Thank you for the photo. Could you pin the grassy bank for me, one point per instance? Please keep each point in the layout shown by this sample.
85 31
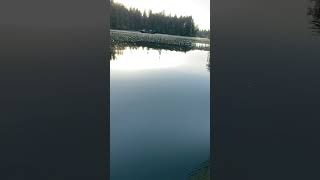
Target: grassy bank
133 37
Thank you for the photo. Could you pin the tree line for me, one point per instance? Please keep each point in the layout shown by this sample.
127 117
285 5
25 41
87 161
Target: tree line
123 18
203 33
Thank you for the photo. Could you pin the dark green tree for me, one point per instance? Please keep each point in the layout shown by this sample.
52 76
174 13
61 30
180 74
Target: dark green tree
123 18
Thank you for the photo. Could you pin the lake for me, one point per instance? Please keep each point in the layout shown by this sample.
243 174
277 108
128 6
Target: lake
160 114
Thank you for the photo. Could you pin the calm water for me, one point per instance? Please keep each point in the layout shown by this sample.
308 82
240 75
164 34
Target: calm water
159 113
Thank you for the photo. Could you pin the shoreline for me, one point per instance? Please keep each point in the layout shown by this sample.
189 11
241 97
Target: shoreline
138 38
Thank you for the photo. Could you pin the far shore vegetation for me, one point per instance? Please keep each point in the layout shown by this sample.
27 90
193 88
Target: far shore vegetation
161 40
123 18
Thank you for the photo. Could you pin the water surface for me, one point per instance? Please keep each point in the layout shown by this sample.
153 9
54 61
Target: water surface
159 113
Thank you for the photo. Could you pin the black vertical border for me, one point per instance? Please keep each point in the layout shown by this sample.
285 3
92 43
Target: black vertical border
108 46
54 90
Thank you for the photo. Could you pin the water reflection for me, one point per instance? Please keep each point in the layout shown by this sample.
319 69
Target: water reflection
117 48
209 63
147 53
159 112
314 13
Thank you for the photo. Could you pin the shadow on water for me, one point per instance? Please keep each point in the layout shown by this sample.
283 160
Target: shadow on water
314 13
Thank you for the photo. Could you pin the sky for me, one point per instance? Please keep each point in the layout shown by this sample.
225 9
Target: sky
198 9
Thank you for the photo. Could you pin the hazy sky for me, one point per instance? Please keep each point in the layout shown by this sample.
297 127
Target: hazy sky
199 9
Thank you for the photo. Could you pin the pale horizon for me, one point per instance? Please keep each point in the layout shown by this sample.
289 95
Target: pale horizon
198 9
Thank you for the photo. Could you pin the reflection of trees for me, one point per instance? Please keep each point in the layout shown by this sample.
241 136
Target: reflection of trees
118 48
157 46
314 12
208 62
